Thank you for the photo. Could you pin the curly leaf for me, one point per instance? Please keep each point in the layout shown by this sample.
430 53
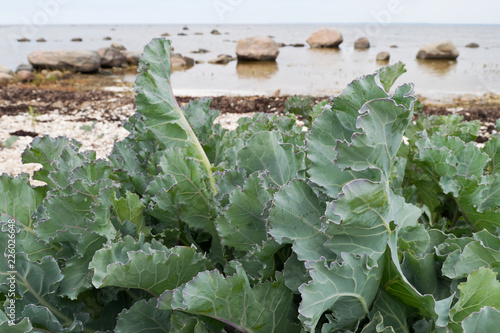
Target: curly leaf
243 225
162 115
145 317
487 320
191 196
19 202
264 151
361 219
383 123
295 218
151 267
481 289
262 308
346 289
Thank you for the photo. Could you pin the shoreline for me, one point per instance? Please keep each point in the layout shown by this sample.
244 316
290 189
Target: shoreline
94 117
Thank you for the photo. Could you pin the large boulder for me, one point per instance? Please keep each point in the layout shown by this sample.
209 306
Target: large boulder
24 67
6 70
325 38
362 43
5 78
133 57
111 57
438 50
177 61
78 61
26 76
257 48
118 46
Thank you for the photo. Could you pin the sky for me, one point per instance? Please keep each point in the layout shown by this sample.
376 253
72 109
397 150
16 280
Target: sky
41 12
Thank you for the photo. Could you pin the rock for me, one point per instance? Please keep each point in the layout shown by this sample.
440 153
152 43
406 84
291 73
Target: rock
25 76
24 67
5 78
23 40
199 61
55 75
111 57
325 38
297 45
200 51
177 61
439 50
118 46
383 56
165 34
185 28
41 40
222 59
394 46
362 43
105 72
257 48
281 44
77 39
78 61
181 34
215 32
133 57
472 45
6 70
107 38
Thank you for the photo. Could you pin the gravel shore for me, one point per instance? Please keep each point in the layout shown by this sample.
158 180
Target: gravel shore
95 117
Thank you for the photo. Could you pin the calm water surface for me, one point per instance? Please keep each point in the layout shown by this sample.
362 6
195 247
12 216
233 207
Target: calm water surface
297 70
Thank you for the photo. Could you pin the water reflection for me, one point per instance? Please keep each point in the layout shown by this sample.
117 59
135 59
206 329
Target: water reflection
256 69
436 67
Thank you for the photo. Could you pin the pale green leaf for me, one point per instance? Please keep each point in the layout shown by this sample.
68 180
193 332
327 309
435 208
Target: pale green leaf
262 308
144 317
148 266
347 290
295 218
487 320
265 151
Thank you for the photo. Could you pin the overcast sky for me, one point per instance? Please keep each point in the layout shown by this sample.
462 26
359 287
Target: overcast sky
248 11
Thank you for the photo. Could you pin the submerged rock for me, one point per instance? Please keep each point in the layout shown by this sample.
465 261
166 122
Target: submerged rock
77 39
200 51
78 60
41 40
23 40
222 59
438 50
178 61
257 48
325 38
383 56
362 43
472 45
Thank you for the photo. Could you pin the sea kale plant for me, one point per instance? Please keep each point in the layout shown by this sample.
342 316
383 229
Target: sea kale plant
363 221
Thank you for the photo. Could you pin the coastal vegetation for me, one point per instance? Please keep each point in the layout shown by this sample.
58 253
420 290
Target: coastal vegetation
360 220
